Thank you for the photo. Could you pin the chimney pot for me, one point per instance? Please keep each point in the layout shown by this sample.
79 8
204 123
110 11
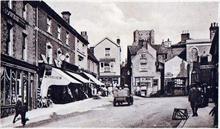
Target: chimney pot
66 16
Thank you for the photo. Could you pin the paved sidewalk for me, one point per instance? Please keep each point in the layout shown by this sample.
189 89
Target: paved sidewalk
44 114
204 120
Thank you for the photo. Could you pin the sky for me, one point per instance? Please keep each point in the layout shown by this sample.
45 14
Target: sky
115 19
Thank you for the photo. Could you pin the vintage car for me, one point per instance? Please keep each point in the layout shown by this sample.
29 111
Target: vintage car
122 96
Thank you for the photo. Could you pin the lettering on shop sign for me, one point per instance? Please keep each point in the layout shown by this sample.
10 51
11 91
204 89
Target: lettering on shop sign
53 77
8 12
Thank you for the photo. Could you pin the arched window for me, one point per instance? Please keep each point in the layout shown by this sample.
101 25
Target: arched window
194 52
59 53
49 53
67 59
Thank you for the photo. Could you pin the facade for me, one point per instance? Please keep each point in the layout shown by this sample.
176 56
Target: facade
199 59
81 56
176 76
108 54
93 64
142 64
18 55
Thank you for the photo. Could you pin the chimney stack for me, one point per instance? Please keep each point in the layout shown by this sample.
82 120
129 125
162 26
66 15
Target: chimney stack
118 41
66 16
84 35
213 29
185 36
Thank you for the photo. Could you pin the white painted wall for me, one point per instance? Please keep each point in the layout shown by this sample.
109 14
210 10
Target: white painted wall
99 52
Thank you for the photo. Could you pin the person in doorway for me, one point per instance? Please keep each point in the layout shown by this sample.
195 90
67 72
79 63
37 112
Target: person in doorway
194 99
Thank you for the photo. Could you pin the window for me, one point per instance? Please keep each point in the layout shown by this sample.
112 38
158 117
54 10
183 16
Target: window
24 11
143 65
143 56
9 41
24 47
155 82
48 24
80 58
106 67
67 59
67 38
194 52
107 51
102 65
10 2
49 53
59 32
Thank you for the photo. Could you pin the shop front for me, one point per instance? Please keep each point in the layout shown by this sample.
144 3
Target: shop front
17 79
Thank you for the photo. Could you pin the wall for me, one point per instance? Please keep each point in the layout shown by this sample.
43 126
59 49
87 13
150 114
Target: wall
81 50
45 37
99 52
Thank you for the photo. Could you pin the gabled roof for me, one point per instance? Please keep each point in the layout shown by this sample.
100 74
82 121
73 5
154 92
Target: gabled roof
106 38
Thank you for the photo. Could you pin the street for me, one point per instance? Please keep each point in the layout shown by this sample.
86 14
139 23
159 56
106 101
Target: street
145 112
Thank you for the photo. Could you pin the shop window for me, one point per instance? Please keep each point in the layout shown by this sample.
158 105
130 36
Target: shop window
106 67
24 46
48 25
59 32
49 53
9 41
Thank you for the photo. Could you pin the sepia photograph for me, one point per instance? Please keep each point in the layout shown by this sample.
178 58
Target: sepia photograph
109 64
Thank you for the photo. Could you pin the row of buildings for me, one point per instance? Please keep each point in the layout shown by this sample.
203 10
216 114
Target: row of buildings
171 68
42 55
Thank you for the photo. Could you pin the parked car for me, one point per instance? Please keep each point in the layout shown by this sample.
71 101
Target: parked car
122 96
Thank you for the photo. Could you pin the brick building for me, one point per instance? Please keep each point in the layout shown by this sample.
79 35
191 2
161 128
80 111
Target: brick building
18 55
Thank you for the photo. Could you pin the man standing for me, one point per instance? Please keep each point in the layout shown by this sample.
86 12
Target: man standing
194 99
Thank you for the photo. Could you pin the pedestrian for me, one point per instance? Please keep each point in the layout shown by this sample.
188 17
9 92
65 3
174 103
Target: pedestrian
194 99
17 108
20 109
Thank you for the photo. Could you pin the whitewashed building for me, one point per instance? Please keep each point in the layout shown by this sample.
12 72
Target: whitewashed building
142 59
108 54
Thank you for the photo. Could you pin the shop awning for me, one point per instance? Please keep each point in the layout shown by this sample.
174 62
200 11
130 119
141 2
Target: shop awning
94 79
57 77
79 77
